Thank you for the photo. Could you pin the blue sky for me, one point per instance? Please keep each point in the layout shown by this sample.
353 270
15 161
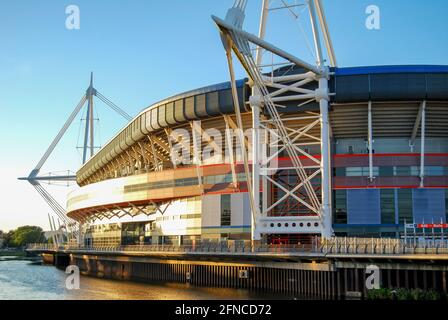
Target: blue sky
144 51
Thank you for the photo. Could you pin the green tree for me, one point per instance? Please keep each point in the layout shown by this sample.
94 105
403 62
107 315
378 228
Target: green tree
25 235
8 239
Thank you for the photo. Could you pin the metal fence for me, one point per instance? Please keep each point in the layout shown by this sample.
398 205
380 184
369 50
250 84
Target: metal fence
335 245
381 246
202 248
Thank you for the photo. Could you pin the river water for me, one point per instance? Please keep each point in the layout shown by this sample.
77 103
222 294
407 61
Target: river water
29 279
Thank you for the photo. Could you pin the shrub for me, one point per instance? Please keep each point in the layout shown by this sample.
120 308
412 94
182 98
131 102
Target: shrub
404 294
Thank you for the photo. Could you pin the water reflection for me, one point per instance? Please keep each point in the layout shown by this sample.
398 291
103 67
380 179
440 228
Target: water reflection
29 279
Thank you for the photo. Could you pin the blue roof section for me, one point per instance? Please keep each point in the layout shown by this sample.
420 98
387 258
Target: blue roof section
215 87
390 83
390 69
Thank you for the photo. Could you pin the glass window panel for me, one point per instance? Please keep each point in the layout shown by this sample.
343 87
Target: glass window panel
340 206
339 172
387 206
354 171
225 209
402 171
405 206
434 171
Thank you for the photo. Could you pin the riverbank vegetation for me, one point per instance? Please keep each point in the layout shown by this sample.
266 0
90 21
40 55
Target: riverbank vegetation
12 253
405 294
21 236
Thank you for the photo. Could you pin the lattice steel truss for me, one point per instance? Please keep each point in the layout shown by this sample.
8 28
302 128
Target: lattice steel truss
271 93
124 210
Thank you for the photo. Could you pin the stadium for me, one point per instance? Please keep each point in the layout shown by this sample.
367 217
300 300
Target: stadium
292 153
302 177
388 142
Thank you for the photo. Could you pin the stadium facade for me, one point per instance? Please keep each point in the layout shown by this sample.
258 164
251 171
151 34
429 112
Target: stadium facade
174 175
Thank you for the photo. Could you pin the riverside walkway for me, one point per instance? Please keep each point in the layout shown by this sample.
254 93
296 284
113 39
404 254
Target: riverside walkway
323 248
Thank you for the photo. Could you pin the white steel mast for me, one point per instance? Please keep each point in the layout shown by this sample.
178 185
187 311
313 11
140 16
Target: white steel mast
284 89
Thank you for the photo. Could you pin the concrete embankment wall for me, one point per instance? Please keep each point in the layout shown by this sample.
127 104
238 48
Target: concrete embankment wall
286 278
323 280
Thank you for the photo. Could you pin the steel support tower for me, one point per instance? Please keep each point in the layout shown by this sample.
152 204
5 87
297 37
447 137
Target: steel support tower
71 226
270 128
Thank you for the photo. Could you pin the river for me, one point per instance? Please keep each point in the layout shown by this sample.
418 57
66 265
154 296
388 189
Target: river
29 279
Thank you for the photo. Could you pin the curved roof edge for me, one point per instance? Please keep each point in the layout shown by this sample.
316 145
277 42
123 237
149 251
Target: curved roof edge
350 84
214 87
202 90
187 94
390 69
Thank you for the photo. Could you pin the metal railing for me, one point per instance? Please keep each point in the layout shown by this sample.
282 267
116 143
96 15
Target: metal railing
202 248
335 245
381 246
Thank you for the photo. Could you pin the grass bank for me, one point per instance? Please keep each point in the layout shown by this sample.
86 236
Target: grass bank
405 294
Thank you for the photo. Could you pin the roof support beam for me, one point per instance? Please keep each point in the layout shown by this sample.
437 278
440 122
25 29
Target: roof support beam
223 25
234 126
230 150
157 167
158 157
240 135
170 151
422 145
197 148
206 137
416 125
162 144
326 32
139 209
315 29
370 140
142 150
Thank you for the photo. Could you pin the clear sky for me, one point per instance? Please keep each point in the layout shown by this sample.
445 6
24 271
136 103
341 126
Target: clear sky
144 51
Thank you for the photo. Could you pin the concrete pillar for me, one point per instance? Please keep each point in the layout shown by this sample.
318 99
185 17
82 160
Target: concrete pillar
444 281
389 278
415 279
434 280
406 279
425 280
345 281
338 284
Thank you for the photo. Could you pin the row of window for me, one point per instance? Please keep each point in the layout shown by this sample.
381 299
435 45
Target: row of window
223 178
179 217
225 208
389 171
292 179
103 228
104 241
387 205
161 184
